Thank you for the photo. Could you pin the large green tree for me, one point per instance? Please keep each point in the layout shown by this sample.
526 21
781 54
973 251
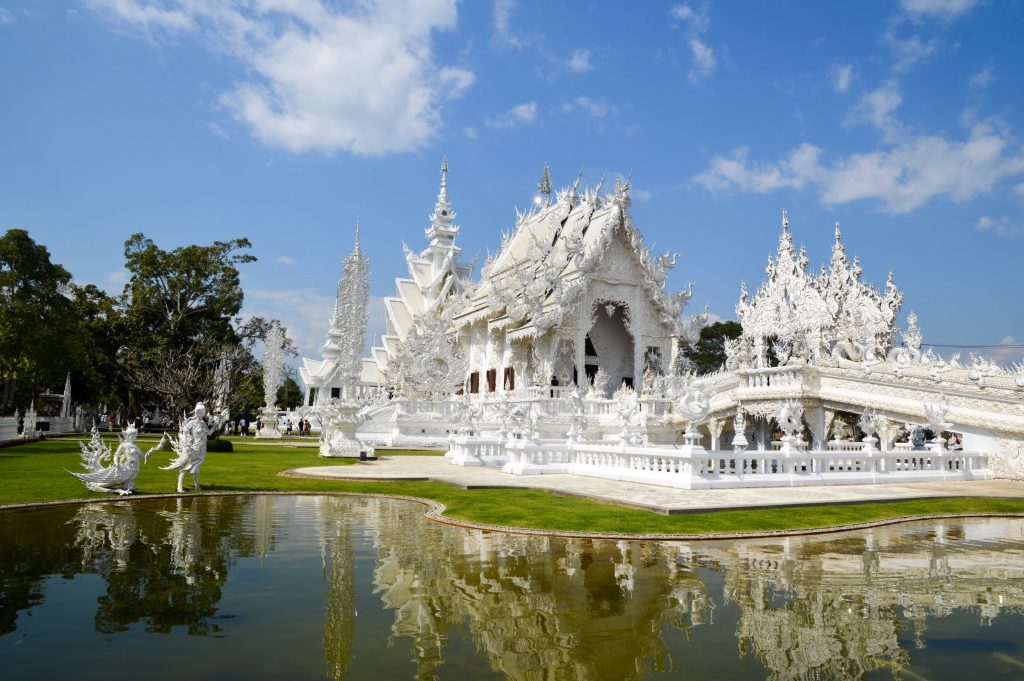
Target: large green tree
38 339
708 353
183 341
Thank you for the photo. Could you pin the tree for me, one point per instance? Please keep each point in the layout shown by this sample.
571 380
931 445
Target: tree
289 395
184 343
181 295
708 353
37 321
96 376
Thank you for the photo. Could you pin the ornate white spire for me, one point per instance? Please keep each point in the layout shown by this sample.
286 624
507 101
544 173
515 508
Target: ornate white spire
348 325
273 359
441 220
544 186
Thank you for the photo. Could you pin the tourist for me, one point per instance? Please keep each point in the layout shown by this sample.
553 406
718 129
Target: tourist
289 428
244 425
259 424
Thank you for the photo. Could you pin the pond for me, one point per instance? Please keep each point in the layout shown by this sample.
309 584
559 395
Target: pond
332 587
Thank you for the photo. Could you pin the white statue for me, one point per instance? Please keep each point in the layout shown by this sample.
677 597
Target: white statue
96 454
936 412
694 406
789 415
870 422
577 417
119 476
190 444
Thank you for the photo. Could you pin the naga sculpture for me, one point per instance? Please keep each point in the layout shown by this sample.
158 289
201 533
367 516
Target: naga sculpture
118 477
190 444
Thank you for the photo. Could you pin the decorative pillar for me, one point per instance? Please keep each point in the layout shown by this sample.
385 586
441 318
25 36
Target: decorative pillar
764 434
715 427
739 440
819 420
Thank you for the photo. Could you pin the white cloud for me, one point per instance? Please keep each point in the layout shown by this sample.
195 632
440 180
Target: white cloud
640 194
998 226
118 278
735 172
842 76
698 19
323 77
521 114
504 36
580 61
286 260
470 132
1018 190
903 177
143 15
876 108
938 9
598 108
5 17
910 51
981 79
696 23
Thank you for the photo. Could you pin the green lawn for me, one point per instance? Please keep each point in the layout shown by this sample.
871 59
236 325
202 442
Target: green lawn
35 472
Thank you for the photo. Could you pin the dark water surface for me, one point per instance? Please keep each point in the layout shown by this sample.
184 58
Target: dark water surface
315 587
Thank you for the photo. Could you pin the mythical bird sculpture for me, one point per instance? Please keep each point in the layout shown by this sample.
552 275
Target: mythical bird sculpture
190 445
119 476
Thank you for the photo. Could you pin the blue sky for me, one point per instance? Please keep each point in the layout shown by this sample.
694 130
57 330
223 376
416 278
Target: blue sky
284 120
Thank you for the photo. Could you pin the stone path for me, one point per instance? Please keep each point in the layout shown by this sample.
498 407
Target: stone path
653 497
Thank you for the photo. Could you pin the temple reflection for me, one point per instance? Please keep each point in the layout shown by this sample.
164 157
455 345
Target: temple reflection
832 606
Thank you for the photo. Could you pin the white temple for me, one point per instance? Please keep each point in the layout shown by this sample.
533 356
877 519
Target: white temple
565 356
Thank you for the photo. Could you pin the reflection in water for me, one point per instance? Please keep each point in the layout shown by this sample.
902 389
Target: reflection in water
839 606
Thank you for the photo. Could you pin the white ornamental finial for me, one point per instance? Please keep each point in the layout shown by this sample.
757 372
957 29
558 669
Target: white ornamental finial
441 219
785 220
839 234
544 186
357 234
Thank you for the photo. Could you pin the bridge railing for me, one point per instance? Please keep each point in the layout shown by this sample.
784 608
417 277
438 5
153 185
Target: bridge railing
697 468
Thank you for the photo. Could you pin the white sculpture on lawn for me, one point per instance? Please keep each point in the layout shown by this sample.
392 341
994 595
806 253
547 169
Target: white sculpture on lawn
341 415
273 360
190 444
116 474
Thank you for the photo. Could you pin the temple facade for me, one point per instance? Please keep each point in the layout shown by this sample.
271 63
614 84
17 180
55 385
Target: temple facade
565 356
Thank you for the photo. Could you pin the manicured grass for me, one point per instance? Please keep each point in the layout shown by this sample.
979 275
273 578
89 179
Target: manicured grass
35 472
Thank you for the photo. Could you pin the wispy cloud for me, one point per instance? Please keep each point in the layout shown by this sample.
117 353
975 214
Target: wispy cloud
842 76
519 115
5 17
579 61
322 76
597 108
999 226
938 9
877 107
982 79
696 23
286 260
504 35
470 132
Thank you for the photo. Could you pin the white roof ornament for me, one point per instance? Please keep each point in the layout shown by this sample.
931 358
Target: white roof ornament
544 186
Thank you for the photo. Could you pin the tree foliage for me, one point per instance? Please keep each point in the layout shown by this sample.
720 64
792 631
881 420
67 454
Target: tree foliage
183 343
38 343
708 353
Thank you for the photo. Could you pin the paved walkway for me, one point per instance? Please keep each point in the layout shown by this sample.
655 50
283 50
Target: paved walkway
654 497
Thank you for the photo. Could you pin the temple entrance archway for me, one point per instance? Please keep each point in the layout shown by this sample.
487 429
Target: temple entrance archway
611 340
